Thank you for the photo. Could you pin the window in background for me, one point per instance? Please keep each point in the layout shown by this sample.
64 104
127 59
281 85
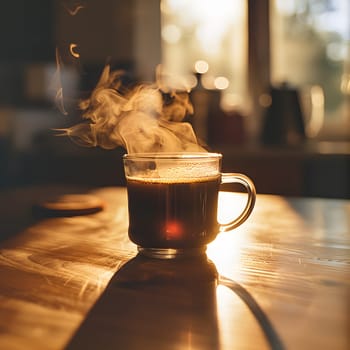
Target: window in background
207 38
310 49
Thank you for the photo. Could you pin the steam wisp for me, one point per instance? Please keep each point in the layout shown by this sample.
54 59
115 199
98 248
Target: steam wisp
140 120
73 7
56 85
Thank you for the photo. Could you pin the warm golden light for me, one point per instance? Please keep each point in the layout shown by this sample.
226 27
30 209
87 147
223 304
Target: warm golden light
209 37
72 48
171 33
221 83
345 84
191 81
320 59
225 250
201 66
317 111
227 301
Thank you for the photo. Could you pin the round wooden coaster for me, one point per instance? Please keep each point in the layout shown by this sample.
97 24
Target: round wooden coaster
70 205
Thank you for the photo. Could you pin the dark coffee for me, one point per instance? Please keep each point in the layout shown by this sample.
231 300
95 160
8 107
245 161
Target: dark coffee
173 214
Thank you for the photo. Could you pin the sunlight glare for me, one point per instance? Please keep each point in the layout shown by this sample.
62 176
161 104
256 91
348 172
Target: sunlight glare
201 66
221 83
225 250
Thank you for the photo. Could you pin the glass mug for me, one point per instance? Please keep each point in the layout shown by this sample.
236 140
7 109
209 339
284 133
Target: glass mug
173 201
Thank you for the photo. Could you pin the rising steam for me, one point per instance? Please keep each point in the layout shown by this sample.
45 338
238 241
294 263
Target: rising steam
56 85
140 120
73 6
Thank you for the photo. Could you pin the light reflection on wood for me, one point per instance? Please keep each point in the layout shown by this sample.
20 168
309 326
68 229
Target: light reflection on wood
291 257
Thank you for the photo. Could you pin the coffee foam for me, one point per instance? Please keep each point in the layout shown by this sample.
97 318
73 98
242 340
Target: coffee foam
178 174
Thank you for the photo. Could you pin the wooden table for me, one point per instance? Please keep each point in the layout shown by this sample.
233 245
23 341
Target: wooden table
280 281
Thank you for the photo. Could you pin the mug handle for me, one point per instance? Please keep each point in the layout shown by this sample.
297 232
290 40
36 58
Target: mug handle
249 185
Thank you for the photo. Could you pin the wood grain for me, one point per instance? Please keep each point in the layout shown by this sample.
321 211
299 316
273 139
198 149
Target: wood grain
280 281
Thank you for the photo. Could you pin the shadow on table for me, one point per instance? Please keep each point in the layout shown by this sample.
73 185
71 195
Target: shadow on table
270 333
154 304
157 304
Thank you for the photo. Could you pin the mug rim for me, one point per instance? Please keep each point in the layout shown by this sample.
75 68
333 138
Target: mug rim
173 155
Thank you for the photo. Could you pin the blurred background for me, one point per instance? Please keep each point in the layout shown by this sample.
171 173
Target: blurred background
269 79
